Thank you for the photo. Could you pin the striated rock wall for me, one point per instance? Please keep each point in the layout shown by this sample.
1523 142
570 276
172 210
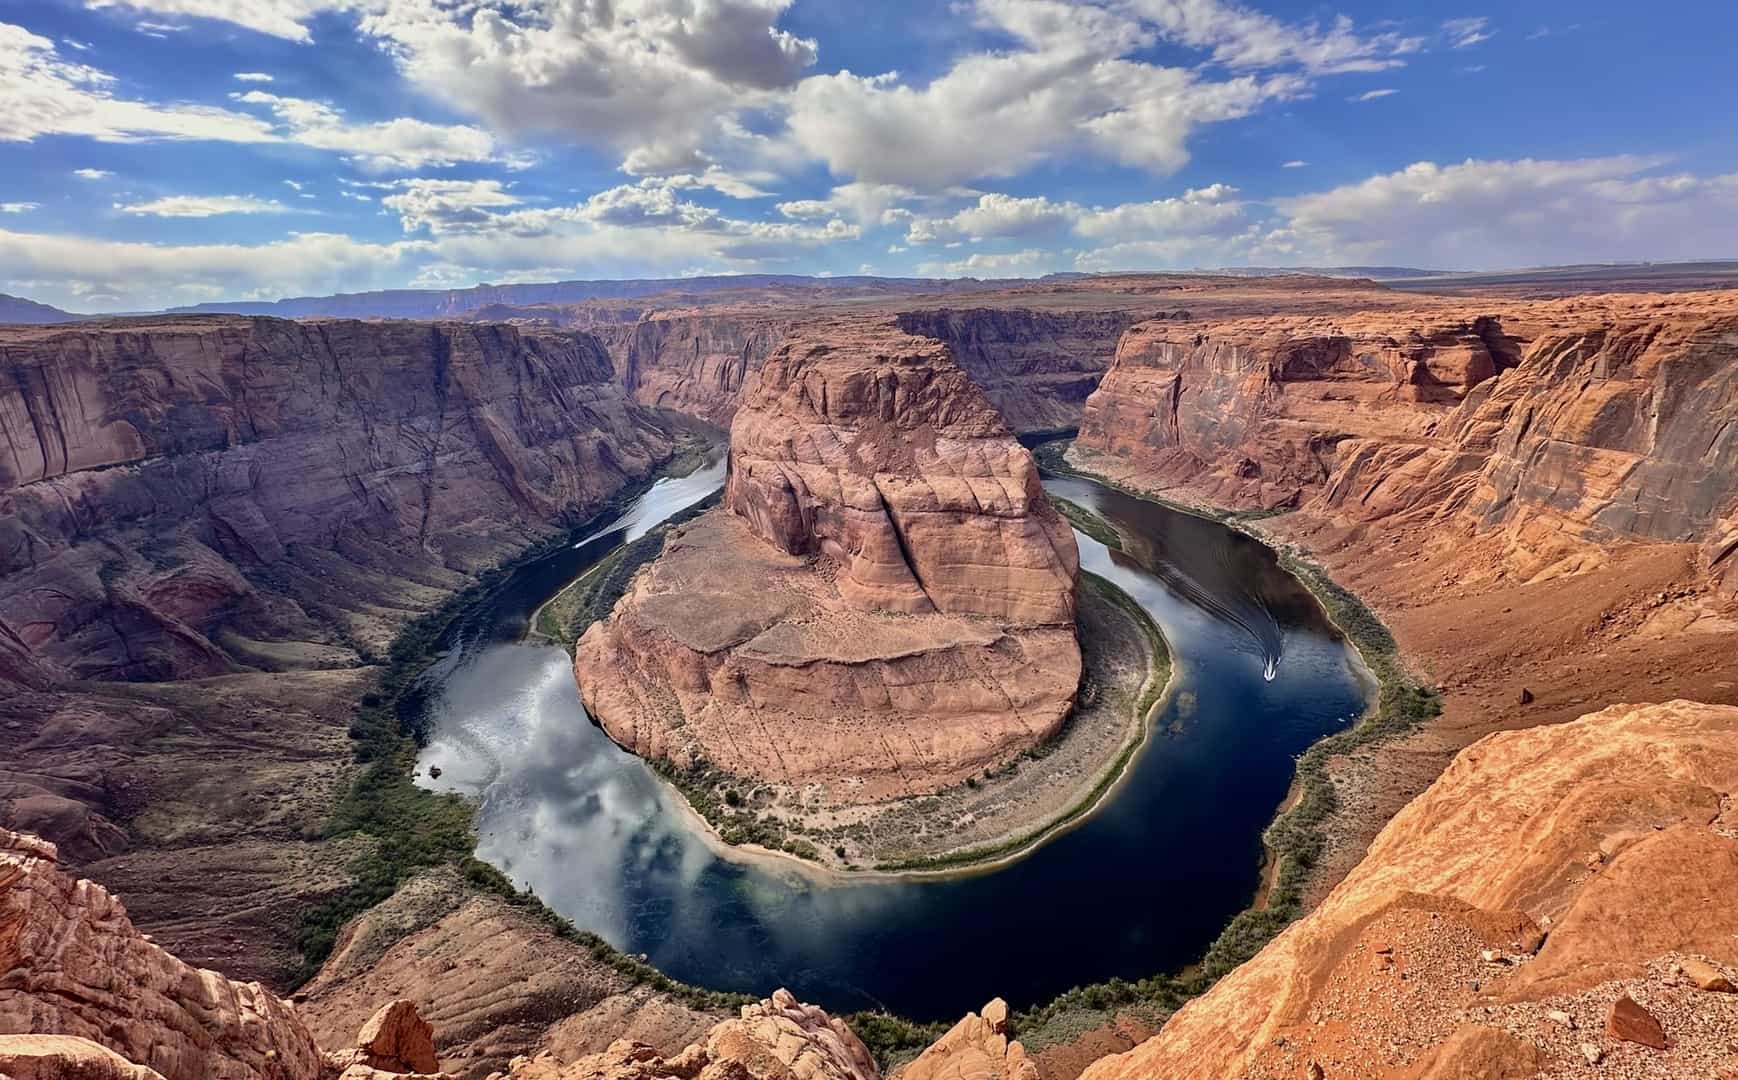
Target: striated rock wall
1037 367
875 450
1497 919
1252 411
191 496
1626 430
694 363
885 604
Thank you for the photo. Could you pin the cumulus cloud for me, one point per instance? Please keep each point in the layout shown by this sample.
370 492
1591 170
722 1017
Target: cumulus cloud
401 143
1023 263
1214 209
92 174
135 275
18 207
202 206
253 77
652 79
1493 214
46 94
1241 38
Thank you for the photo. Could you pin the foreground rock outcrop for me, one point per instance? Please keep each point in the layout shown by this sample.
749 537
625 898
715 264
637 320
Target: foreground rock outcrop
1498 918
884 605
72 964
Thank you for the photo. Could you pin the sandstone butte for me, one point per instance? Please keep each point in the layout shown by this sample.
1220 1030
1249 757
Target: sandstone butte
884 604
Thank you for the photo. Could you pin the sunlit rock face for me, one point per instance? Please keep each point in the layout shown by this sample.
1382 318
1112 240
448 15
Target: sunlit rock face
884 605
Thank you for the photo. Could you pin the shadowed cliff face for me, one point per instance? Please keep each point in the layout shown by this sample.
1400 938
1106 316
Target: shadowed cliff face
194 496
222 519
1036 367
885 561
694 364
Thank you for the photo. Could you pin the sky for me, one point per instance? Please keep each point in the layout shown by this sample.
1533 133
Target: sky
164 152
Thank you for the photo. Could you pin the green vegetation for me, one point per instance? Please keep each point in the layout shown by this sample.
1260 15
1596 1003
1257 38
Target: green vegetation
414 829
1088 522
709 791
594 594
893 1040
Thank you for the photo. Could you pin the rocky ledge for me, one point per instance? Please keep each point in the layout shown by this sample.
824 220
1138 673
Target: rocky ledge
1562 895
885 604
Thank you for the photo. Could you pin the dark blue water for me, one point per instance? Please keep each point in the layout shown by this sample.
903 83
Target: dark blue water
1141 886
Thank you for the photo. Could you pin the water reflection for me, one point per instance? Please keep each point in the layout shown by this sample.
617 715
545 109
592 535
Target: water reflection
1141 886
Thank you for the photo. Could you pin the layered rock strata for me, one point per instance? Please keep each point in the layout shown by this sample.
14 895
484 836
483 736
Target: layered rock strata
1037 367
1497 919
883 606
1252 411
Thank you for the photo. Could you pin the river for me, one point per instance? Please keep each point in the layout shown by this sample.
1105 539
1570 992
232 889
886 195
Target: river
1140 886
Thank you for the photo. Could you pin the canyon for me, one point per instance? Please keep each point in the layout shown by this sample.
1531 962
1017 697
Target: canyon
212 528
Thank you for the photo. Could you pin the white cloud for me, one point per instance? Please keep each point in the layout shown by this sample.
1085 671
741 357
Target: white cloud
402 143
48 95
92 174
1212 210
202 206
1466 32
1295 165
1372 95
129 275
651 79
279 18
18 207
867 204
444 205
253 77
1024 263
1241 38
1494 214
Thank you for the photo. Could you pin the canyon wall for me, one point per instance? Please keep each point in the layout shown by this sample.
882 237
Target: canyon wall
1037 367
195 496
1251 412
883 606
1497 921
694 363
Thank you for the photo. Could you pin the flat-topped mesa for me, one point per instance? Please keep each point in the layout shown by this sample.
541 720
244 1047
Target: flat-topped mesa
874 449
883 607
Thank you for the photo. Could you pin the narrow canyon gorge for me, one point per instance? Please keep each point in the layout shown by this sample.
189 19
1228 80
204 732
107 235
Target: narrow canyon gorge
230 548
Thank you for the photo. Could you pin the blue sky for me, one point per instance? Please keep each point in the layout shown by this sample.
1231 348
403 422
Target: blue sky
157 152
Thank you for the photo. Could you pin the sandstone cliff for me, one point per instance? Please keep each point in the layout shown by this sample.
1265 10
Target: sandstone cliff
188 497
884 605
224 518
1497 920
1251 412
1037 367
694 363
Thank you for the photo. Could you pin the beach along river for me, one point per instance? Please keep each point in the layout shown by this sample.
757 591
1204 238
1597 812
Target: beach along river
1140 886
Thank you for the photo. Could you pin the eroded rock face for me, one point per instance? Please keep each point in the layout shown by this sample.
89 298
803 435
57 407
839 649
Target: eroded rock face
976 1048
1251 411
1604 838
884 605
74 966
695 363
1036 367
190 496
776 1039
874 449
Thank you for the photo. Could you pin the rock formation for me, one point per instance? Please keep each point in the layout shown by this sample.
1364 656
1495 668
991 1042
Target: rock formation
694 363
1497 918
976 1048
884 605
1037 367
193 496
73 965
1251 411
